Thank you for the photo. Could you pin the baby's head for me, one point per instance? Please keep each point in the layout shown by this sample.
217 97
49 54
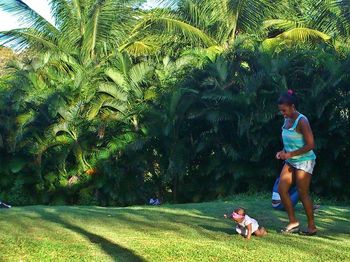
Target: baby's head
238 214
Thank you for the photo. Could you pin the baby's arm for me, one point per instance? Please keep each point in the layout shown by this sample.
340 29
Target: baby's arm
250 229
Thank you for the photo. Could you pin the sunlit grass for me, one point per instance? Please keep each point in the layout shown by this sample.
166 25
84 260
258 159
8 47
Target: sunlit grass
185 232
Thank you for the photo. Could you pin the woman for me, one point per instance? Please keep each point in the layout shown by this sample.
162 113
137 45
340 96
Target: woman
299 160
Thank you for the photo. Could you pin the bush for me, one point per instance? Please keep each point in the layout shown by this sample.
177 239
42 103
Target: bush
212 130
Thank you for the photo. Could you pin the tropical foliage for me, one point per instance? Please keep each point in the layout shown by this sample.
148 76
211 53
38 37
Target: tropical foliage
113 103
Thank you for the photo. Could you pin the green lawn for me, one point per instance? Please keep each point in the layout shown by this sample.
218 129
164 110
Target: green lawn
186 232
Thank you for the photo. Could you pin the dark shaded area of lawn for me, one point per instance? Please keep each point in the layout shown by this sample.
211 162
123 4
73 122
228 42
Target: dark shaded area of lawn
112 249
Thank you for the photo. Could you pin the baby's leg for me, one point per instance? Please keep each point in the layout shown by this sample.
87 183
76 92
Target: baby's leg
260 232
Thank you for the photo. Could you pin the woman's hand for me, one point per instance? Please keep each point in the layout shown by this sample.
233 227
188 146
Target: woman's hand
225 216
285 155
278 154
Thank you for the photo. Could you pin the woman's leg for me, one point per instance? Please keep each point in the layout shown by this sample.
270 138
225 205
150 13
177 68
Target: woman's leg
286 180
303 180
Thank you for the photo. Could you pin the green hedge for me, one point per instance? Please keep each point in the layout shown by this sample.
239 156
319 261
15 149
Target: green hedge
211 131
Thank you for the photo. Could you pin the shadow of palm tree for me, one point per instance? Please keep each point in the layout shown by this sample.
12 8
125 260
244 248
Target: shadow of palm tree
225 230
114 250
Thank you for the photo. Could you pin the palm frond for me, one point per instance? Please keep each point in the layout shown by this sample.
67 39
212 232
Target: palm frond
123 63
332 16
107 19
25 118
59 128
95 108
68 19
304 34
139 73
117 77
115 105
113 91
28 16
248 15
176 106
295 35
22 38
137 48
172 24
92 28
281 24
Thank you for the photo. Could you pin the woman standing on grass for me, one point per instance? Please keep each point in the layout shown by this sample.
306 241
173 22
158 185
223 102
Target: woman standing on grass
299 162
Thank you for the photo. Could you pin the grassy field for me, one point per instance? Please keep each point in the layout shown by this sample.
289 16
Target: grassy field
185 232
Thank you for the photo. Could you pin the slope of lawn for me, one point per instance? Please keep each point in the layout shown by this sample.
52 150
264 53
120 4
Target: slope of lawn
184 232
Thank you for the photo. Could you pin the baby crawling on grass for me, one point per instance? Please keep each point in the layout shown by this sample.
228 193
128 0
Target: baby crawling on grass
246 226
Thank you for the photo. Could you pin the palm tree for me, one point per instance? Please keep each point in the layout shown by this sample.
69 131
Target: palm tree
209 24
168 137
34 108
295 22
333 17
83 30
124 86
80 57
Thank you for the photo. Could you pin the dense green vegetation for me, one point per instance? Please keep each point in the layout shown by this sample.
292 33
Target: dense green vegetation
185 232
114 103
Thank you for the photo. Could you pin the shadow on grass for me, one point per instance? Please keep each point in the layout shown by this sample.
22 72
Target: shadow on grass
218 229
114 250
203 220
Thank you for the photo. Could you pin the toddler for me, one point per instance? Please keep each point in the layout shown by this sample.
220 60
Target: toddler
246 226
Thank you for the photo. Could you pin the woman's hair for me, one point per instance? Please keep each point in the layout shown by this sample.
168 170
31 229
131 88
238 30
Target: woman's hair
288 98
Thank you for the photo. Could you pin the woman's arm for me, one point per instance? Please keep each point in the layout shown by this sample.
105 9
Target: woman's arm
308 137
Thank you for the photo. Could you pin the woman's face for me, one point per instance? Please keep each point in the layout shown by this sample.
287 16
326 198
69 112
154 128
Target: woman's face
286 110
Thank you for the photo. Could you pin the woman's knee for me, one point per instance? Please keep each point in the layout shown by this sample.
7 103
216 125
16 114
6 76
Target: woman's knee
303 193
283 189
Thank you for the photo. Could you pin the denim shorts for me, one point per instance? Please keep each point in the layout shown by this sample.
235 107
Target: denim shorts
307 166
